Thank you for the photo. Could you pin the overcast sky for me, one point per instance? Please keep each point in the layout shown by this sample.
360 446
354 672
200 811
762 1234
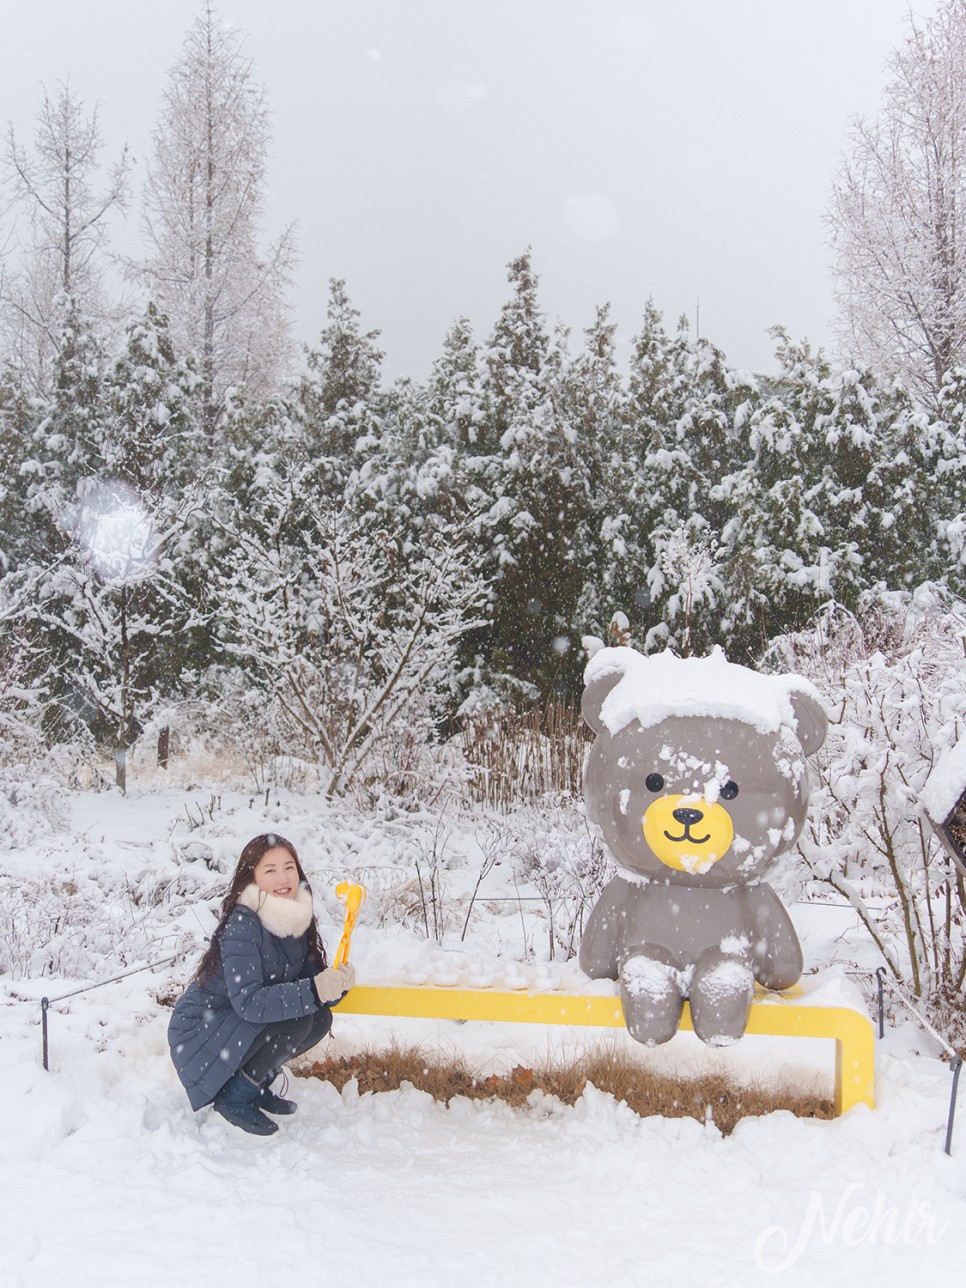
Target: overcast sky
681 151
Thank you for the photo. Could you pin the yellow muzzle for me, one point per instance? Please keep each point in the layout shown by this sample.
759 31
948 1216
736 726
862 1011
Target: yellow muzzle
697 837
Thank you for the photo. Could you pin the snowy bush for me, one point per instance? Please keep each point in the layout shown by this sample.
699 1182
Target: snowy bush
20 699
557 854
346 637
894 682
85 924
31 805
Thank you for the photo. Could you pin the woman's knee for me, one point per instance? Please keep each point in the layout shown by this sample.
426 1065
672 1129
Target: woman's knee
318 1027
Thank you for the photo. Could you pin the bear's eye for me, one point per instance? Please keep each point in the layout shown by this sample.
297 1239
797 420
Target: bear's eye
730 790
654 782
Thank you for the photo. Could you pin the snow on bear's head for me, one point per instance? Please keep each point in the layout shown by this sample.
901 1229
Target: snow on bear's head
697 775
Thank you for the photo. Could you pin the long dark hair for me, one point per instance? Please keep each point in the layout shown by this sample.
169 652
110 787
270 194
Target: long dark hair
243 877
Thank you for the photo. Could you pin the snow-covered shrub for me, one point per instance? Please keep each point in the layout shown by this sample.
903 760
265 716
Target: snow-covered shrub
31 805
231 734
345 635
687 576
893 679
20 736
89 925
557 854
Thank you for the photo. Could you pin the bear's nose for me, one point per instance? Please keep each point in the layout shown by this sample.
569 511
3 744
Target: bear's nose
688 816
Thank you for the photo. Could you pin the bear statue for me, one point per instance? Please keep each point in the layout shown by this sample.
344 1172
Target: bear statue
697 782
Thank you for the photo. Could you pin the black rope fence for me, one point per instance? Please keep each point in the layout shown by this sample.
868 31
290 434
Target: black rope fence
47 1002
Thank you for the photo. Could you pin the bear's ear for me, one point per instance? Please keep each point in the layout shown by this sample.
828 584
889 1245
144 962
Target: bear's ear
594 695
811 723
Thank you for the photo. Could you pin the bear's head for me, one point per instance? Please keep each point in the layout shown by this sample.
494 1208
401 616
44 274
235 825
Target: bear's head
697 774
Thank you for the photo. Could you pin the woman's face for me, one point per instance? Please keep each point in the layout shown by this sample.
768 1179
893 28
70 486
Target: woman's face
276 873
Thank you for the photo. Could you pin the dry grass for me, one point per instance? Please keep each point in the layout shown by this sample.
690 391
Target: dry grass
517 756
712 1097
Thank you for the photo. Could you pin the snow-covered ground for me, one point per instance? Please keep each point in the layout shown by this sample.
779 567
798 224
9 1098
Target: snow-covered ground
108 1178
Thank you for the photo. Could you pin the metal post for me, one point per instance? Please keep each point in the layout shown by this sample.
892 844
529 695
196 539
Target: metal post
44 1005
880 977
956 1065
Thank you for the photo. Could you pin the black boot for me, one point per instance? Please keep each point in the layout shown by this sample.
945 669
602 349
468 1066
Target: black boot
238 1103
269 1103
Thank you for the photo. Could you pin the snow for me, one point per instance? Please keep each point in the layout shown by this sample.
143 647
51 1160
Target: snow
945 784
655 687
110 1179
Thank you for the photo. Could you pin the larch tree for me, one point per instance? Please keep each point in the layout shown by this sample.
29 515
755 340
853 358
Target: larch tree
63 206
898 213
224 297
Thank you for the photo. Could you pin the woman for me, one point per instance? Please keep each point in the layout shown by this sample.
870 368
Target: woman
262 993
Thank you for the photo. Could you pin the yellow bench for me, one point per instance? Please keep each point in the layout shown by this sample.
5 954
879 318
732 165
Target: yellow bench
782 1015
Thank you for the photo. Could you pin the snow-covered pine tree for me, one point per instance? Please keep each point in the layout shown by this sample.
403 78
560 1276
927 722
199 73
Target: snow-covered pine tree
17 464
847 445
111 486
456 398
337 400
152 440
155 447
615 570
540 511
944 505
68 433
55 446
107 608
447 468
837 499
818 515
690 412
777 562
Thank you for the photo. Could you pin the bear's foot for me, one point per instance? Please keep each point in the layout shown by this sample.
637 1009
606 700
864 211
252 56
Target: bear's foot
721 993
652 998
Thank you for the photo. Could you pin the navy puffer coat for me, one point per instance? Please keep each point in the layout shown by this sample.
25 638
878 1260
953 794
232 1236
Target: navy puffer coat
264 975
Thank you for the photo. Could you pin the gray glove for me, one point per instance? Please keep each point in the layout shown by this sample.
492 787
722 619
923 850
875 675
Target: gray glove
331 983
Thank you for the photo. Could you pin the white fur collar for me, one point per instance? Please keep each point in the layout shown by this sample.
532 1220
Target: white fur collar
281 917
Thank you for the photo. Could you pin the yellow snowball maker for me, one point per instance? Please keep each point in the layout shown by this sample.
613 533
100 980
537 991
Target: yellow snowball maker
687 833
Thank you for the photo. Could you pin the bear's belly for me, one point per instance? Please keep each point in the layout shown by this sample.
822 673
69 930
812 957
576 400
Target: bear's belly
684 921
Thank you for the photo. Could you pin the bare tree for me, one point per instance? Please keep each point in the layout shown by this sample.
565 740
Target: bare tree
894 685
898 209
225 300
61 231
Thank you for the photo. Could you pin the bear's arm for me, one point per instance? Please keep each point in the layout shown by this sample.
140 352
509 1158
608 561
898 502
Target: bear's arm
776 953
600 943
